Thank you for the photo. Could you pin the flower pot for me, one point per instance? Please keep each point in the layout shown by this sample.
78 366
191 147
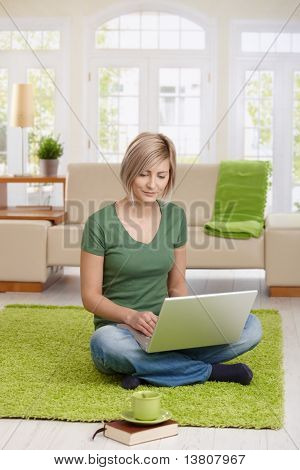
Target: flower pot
48 167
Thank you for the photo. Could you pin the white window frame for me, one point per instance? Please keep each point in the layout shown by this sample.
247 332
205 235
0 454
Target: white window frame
17 62
148 61
283 66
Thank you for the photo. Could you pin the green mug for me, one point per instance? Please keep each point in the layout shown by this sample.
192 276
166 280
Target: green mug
145 406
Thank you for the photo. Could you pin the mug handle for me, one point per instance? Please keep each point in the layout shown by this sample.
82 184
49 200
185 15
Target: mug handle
129 400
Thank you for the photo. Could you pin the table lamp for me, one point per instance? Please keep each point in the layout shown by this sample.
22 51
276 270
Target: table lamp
22 111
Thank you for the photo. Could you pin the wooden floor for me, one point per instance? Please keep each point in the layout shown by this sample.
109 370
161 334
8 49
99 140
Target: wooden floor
40 434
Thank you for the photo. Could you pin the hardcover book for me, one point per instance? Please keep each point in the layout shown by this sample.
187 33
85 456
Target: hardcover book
132 434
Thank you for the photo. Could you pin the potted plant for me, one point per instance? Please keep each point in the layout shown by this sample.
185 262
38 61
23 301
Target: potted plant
49 151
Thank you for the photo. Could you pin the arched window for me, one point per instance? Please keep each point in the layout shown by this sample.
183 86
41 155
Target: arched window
150 30
150 71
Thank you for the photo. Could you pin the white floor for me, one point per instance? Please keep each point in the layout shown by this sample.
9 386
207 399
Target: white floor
40 434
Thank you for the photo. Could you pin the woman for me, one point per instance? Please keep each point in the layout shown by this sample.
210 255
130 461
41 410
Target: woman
133 256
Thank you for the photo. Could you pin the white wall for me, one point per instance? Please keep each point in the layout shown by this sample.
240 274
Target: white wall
222 11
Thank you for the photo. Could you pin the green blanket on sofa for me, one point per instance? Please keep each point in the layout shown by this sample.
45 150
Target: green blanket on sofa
240 199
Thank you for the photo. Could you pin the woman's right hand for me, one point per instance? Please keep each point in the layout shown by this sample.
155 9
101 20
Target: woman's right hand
144 322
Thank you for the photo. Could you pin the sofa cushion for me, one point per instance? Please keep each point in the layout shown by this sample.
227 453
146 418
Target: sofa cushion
282 254
206 252
64 243
203 251
91 186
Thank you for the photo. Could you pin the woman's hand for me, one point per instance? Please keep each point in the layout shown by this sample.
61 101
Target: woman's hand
143 321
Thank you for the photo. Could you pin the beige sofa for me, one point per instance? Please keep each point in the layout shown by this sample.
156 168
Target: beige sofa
43 249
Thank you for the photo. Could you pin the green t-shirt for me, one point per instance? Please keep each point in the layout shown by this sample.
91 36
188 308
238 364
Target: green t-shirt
134 273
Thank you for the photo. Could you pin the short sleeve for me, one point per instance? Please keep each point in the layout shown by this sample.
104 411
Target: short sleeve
93 239
182 235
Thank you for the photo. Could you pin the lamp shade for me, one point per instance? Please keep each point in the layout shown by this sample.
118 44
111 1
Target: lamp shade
22 105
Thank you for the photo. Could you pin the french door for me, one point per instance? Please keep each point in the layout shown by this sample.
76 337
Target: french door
156 94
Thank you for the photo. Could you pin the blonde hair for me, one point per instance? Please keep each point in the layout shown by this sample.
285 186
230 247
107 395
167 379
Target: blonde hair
146 150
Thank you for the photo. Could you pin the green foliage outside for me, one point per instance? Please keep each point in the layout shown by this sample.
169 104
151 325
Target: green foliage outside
108 133
44 111
259 104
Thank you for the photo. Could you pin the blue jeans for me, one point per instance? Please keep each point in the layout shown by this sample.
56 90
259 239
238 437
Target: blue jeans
115 350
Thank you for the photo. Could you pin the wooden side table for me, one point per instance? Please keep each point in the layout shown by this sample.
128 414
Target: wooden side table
55 214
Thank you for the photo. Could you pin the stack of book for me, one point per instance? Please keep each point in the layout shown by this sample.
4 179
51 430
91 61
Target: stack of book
132 434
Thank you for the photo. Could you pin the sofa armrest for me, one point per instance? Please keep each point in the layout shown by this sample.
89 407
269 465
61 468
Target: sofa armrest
282 254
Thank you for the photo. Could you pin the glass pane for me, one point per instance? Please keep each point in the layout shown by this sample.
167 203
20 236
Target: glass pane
109 39
284 42
17 40
296 115
35 39
297 82
109 81
112 24
187 25
189 111
189 141
250 42
169 39
129 81
51 40
128 110
251 142
168 111
296 43
149 20
44 111
108 110
296 199
265 142
118 110
169 81
252 113
296 162
108 138
266 84
149 39
168 22
252 87
130 39
266 113
131 21
190 82
132 132
3 120
258 121
5 40
266 39
192 40
179 108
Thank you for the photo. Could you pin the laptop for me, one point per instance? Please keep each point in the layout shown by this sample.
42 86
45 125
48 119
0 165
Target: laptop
197 321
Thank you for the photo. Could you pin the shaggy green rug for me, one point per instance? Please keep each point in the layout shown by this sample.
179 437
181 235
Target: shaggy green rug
46 372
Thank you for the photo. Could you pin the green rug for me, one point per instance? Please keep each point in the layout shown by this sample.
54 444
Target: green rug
46 372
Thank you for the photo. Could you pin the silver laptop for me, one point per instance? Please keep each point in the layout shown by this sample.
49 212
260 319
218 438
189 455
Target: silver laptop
197 321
